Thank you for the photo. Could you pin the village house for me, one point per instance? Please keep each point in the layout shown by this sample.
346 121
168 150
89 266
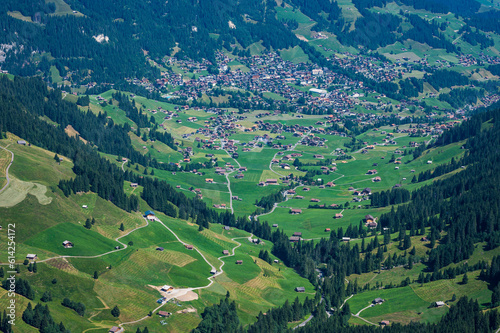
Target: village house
150 216
225 252
189 247
31 256
300 289
338 216
67 244
378 300
295 211
239 262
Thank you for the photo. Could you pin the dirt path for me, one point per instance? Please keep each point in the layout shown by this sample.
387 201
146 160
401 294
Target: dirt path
8 166
123 169
96 256
185 290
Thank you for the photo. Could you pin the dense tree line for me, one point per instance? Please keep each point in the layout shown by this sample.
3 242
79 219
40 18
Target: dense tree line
79 307
41 318
220 317
393 196
445 78
23 288
462 96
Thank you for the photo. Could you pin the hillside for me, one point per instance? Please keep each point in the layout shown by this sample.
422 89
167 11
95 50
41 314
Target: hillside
221 166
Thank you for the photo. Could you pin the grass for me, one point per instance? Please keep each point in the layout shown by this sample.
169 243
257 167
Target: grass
86 242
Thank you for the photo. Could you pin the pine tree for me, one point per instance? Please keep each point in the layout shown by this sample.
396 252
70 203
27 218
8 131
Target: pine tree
465 279
96 275
115 311
122 227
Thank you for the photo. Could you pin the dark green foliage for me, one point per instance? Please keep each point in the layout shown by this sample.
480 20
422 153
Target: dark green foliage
47 297
83 100
88 224
462 96
23 288
41 318
77 306
96 275
115 311
220 317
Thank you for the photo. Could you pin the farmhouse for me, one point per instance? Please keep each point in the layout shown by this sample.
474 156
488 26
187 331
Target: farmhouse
31 256
134 184
150 215
294 239
164 314
378 300
239 262
21 142
439 304
167 288
115 329
371 172
295 211
327 229
275 225
300 289
189 247
160 249
369 218
209 180
315 200
384 323
376 179
67 244
338 216
346 239
225 252
272 181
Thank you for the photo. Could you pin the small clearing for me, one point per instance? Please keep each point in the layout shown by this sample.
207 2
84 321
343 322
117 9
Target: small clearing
18 190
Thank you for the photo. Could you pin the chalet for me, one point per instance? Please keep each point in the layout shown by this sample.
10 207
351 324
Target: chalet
189 247
116 329
315 200
85 206
346 239
371 225
272 181
371 172
67 244
300 289
330 184
294 239
378 300
167 288
369 218
213 271
438 304
239 262
338 216
225 252
21 142
384 323
275 225
297 233
134 184
376 179
164 314
227 227
366 191
318 156
327 230
150 215
31 256
306 189
276 261
160 249
295 211
298 197
209 180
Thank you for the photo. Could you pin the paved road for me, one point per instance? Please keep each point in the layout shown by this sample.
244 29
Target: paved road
7 170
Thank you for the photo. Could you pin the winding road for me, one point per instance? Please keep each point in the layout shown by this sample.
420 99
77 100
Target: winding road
7 170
